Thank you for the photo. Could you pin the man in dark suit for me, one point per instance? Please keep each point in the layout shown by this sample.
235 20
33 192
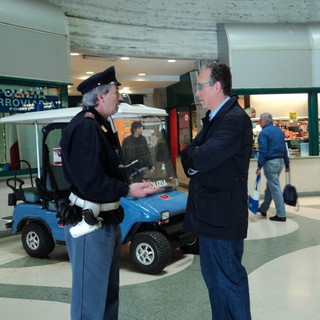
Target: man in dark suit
217 163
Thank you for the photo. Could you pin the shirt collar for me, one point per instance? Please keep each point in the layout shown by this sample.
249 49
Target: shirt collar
215 111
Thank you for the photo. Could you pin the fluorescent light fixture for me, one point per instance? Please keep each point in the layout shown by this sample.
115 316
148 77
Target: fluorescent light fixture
74 54
172 60
141 74
108 57
89 72
125 90
124 58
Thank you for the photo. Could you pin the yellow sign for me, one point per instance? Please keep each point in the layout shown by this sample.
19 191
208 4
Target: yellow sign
293 116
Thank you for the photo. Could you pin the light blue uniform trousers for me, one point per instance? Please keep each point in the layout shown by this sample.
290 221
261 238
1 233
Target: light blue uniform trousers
95 273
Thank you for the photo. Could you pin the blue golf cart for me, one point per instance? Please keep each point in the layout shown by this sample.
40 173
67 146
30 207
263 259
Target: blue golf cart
152 225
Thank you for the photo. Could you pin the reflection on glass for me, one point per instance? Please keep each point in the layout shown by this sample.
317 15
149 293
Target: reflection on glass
136 152
146 153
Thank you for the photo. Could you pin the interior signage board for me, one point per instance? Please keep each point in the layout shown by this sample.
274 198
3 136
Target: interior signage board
19 99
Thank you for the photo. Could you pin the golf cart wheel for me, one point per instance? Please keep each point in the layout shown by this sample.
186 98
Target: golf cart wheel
36 240
150 251
192 247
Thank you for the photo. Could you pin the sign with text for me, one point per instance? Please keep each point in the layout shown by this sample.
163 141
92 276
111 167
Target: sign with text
293 116
16 99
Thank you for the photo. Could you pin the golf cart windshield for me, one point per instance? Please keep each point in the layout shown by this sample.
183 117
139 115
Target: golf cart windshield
149 161
145 151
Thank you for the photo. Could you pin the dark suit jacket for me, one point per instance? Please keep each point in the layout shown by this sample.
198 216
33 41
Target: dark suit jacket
218 201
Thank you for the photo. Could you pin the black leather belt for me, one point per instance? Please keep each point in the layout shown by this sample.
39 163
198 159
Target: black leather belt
272 158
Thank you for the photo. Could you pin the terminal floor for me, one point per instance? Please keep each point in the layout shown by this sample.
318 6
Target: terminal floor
282 260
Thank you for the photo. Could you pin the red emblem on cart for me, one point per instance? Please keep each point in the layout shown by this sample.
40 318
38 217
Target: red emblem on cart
164 197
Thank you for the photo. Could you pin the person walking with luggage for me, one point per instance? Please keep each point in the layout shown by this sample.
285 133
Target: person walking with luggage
273 155
217 162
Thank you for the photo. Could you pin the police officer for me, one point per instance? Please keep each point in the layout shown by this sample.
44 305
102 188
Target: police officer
90 155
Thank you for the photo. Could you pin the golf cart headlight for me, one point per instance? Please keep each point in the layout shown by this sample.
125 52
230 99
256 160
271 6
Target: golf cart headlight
165 215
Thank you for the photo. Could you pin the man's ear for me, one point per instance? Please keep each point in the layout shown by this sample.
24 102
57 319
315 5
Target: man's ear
218 86
100 96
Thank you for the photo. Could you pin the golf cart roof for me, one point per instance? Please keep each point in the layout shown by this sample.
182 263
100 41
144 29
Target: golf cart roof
66 114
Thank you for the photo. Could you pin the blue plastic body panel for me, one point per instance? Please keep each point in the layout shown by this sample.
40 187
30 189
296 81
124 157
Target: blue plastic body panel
25 211
149 209
139 210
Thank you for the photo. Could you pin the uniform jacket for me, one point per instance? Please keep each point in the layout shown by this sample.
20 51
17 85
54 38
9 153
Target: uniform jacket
90 159
217 204
272 145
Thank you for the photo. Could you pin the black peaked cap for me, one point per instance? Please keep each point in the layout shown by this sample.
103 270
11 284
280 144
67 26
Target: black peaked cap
108 76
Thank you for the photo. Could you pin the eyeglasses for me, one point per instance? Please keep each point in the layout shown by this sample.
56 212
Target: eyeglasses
199 85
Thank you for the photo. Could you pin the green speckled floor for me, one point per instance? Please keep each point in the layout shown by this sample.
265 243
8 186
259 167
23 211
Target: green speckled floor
282 260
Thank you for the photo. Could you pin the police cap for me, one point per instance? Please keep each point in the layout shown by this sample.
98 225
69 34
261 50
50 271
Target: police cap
106 77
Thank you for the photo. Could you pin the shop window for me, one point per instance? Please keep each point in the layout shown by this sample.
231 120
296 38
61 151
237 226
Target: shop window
17 141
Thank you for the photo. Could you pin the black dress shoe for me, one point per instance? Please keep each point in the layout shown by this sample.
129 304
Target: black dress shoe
264 214
276 218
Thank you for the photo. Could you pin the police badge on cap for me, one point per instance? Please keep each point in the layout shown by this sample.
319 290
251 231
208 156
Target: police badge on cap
106 77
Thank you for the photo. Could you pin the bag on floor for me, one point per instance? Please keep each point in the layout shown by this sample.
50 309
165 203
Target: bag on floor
254 196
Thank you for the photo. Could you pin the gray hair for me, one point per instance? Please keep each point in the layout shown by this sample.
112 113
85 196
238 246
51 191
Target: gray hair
89 99
267 117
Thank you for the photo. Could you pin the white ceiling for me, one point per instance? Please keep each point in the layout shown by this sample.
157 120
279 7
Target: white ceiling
159 72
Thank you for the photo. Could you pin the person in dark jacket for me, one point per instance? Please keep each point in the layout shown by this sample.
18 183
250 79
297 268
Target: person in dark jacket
90 156
135 147
273 155
217 162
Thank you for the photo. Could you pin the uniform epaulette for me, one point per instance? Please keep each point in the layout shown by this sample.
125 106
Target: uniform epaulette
89 115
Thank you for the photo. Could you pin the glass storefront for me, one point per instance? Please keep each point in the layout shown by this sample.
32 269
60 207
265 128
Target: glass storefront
290 113
17 141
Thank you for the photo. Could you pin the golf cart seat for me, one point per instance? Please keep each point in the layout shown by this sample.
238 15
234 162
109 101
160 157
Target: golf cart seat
54 188
51 185
60 185
20 193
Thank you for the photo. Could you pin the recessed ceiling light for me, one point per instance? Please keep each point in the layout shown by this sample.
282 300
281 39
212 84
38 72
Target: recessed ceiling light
74 54
141 74
89 72
125 90
172 60
124 58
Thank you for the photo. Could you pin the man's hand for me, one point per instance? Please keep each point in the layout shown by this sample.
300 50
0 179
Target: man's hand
258 172
141 189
